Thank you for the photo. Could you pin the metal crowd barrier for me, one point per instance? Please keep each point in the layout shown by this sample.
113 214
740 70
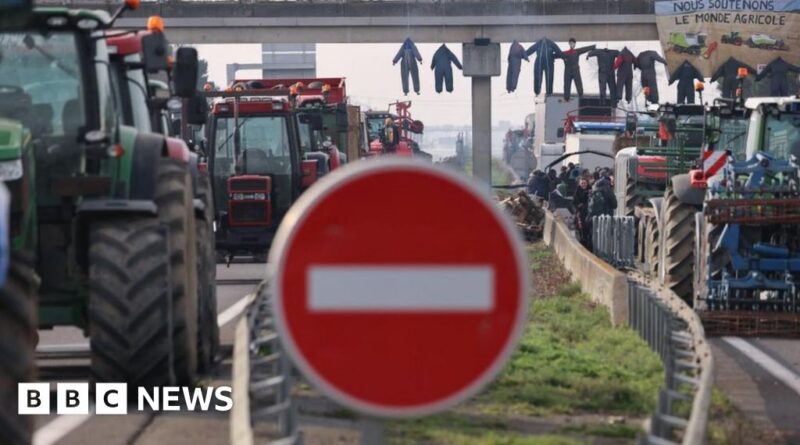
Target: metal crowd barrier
614 240
673 330
270 372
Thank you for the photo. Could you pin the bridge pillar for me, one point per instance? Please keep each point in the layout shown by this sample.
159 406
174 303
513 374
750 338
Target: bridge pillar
481 63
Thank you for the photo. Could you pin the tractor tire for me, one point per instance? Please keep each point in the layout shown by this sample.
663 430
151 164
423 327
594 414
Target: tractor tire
17 344
651 246
130 322
632 199
711 260
677 246
207 330
174 197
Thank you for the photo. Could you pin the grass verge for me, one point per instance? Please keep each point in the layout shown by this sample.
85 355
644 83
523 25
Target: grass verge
570 364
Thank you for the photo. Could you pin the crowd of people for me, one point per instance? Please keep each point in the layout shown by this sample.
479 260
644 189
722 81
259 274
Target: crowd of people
581 192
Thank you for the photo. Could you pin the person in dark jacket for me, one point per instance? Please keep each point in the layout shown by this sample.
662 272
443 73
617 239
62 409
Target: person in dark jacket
558 199
539 185
572 68
546 53
442 66
685 74
646 63
515 56
580 201
605 73
390 136
552 179
778 71
408 56
624 66
728 71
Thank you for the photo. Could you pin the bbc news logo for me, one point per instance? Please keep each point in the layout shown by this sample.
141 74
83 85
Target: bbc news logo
112 398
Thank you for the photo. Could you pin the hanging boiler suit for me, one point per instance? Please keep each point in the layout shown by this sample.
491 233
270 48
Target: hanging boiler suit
777 70
605 72
443 70
624 66
646 63
572 69
515 55
685 75
728 71
546 53
408 57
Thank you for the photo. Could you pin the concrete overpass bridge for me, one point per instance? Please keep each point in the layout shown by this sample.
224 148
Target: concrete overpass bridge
390 21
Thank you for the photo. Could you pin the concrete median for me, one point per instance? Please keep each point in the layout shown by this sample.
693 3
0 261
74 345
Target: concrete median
602 282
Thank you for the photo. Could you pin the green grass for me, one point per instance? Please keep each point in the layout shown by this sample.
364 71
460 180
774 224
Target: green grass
570 361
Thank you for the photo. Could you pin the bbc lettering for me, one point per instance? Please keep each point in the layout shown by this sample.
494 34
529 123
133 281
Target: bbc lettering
112 399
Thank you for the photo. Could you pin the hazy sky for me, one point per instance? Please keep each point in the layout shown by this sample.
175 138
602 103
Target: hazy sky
372 79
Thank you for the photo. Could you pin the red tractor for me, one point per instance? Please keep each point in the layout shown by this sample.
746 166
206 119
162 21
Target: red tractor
381 143
258 168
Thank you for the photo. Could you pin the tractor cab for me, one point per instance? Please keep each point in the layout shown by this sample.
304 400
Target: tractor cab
256 166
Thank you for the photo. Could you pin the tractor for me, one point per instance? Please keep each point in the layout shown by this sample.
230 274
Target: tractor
375 126
747 242
146 108
321 113
733 38
102 224
645 189
257 168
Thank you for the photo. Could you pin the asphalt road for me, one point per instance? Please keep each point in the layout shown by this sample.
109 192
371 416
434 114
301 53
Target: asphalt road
762 378
63 357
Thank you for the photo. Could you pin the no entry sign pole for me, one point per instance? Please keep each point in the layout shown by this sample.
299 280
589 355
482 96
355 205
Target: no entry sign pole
399 288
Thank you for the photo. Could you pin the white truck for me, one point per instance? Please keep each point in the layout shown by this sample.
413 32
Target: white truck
550 116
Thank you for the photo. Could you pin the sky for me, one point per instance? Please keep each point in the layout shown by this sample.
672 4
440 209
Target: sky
373 81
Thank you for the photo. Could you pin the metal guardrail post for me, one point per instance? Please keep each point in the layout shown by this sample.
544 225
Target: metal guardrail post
270 386
673 331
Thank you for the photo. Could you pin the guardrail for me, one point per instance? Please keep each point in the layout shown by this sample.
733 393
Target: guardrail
674 331
262 377
614 240
669 326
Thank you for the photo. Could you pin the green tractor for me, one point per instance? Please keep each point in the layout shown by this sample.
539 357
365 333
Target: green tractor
102 222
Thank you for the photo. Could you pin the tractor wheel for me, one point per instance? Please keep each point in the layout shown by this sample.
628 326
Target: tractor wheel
651 246
174 198
17 343
677 245
130 323
208 330
632 198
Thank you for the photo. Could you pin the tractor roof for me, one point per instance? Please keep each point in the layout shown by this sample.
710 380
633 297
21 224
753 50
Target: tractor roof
754 102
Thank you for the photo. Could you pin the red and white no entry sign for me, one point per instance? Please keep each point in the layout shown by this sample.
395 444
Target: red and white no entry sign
399 287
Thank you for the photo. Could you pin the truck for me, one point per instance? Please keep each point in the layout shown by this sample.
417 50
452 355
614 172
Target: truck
589 136
549 118
102 227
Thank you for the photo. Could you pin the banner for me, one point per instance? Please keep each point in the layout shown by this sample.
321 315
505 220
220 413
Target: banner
708 32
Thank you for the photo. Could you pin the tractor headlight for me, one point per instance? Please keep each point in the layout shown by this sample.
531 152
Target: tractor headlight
11 170
238 196
260 196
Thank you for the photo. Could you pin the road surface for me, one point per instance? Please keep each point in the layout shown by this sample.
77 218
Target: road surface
63 357
762 378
